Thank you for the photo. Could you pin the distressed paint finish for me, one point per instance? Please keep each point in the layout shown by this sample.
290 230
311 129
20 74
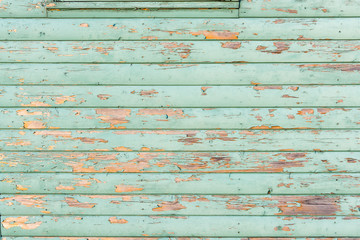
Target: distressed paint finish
179 51
142 9
23 8
253 8
214 226
159 238
189 162
180 140
143 13
173 96
180 118
124 125
181 74
181 183
183 205
191 29
306 8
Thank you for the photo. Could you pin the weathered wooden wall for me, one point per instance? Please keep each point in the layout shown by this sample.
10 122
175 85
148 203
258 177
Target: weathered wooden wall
115 125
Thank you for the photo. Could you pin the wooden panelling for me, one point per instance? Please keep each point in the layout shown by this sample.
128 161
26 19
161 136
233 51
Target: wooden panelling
180 118
180 140
302 8
159 238
23 8
180 74
130 5
254 8
183 205
214 226
181 183
179 51
181 29
144 120
133 9
182 162
173 96
143 13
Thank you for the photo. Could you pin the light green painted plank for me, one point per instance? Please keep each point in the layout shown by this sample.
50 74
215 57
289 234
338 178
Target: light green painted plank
144 13
180 140
215 226
254 8
22 8
145 1
176 183
180 29
175 238
181 52
172 162
180 96
180 118
131 5
179 74
181 205
303 8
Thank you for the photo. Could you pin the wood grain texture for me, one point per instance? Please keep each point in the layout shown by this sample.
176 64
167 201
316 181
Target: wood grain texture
180 74
172 162
214 226
180 205
181 29
179 51
180 96
180 118
180 140
181 183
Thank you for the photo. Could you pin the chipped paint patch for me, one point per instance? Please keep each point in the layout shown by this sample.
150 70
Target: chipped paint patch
113 116
232 45
218 35
72 202
127 188
21 222
169 206
115 220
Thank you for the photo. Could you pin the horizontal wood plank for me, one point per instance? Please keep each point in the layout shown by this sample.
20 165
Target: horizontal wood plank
146 1
254 8
144 13
159 238
179 51
303 8
180 140
157 226
166 238
180 74
180 96
180 183
181 29
180 205
22 9
180 118
172 162
132 5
